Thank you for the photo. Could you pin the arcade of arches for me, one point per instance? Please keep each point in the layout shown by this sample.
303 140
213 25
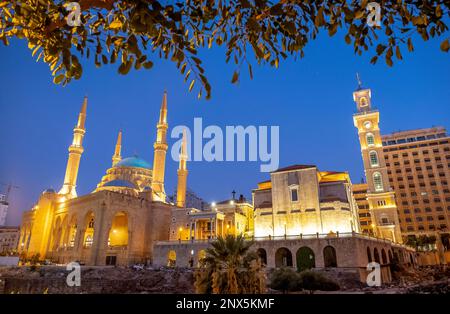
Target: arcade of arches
334 253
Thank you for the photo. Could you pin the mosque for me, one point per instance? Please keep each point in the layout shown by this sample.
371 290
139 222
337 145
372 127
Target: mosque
116 224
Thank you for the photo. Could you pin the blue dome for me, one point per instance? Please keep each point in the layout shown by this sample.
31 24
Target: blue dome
120 183
135 162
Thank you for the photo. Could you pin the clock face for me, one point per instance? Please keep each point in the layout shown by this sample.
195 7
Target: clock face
367 124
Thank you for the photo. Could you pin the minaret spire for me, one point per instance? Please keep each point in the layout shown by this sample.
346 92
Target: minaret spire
75 151
163 111
118 151
160 150
182 173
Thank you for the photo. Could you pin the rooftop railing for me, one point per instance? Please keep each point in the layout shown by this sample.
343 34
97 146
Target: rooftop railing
289 237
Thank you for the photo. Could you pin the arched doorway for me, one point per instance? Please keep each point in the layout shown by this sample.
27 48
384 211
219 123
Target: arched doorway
369 255
383 256
390 256
376 256
118 234
305 258
283 258
329 256
88 238
262 255
56 236
171 258
72 232
62 239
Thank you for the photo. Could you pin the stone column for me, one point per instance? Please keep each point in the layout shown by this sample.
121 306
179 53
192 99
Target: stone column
195 230
215 227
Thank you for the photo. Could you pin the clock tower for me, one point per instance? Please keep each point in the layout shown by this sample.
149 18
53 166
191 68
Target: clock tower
381 197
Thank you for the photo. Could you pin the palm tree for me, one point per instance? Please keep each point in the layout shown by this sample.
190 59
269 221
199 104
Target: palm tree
230 267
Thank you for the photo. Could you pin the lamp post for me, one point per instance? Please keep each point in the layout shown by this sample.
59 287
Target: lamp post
285 231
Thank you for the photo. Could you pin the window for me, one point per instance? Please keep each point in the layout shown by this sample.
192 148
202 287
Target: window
373 157
370 139
378 182
294 195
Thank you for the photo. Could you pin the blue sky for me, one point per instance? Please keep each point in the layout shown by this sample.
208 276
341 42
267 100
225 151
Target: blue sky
310 99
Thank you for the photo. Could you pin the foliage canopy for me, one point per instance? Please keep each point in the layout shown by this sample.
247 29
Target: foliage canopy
136 33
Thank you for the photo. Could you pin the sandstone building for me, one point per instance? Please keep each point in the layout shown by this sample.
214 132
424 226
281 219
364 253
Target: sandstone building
302 200
119 222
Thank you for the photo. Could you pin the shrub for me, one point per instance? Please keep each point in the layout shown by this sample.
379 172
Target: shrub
285 279
311 280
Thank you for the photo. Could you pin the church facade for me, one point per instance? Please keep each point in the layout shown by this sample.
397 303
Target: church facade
119 222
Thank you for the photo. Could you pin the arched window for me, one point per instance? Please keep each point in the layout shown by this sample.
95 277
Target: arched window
369 255
378 182
373 158
363 102
376 255
262 254
283 257
329 256
305 258
370 139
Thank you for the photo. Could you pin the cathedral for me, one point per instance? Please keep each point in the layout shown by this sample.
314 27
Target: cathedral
119 222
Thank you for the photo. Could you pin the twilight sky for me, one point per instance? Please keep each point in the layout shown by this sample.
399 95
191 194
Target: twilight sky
310 99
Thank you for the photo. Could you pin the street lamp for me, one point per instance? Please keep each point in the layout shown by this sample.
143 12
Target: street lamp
285 230
180 230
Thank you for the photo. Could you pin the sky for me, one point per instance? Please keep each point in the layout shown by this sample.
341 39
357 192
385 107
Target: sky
310 99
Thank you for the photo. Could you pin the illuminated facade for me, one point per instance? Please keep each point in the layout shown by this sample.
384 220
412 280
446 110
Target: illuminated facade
302 200
380 195
233 216
118 223
365 219
418 163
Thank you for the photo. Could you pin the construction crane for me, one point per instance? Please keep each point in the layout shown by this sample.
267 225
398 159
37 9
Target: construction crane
9 187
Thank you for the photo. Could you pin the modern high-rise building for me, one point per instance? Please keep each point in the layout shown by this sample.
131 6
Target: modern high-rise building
3 209
365 219
418 164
